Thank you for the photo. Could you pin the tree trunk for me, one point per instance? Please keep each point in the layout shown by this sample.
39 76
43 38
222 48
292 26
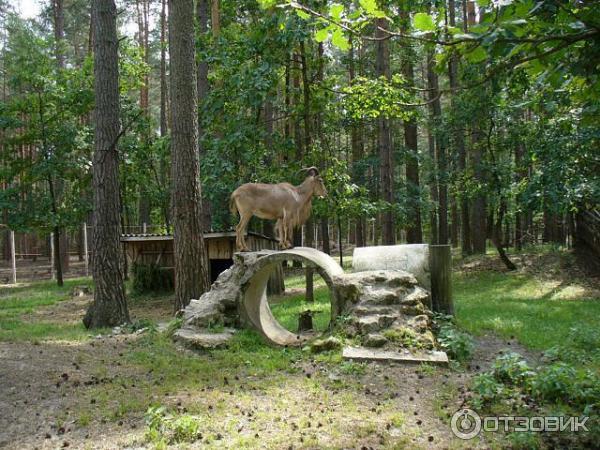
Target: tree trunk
433 222
191 268
465 215
478 210
109 307
203 91
164 96
384 143
57 184
440 147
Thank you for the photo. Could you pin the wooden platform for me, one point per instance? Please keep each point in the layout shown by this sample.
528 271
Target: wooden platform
367 354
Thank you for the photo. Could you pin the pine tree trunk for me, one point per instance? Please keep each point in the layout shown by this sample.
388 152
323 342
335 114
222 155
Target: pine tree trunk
478 210
385 139
164 96
109 307
191 268
440 147
357 144
203 91
57 184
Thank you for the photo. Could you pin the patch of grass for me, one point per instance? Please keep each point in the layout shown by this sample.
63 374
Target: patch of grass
538 313
25 299
288 310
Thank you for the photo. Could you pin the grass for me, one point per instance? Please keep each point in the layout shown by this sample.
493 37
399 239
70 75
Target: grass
18 301
538 313
288 310
221 387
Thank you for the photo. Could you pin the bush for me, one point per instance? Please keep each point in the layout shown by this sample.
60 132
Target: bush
554 383
457 344
512 369
151 278
487 390
165 429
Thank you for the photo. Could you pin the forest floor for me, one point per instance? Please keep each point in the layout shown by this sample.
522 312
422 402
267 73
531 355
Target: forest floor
61 386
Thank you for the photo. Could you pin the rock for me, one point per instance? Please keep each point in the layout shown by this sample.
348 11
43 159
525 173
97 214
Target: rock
375 322
203 339
324 345
80 291
204 312
375 340
411 258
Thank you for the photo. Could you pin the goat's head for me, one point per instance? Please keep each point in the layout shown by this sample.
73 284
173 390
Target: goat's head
318 184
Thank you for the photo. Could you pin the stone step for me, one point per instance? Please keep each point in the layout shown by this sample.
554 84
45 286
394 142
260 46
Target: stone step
203 339
369 310
364 354
374 322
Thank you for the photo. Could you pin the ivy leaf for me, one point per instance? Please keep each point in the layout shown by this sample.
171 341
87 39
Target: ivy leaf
339 40
424 22
336 11
322 35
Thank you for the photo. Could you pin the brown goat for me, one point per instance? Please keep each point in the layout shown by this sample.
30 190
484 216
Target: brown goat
289 205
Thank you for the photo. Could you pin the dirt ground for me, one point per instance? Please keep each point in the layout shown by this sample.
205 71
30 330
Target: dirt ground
46 387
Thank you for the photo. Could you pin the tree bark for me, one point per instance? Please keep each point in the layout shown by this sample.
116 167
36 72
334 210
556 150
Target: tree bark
109 307
384 143
164 98
203 91
191 268
358 150
440 147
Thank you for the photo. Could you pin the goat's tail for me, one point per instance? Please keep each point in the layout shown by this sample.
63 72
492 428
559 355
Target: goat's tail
232 205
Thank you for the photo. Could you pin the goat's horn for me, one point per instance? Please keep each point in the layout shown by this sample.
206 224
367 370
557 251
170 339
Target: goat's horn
309 169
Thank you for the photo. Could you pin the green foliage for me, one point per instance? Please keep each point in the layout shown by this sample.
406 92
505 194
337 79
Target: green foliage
511 369
151 278
164 428
370 98
457 344
487 390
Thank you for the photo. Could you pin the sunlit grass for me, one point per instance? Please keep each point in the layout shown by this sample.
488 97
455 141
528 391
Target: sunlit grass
287 311
538 313
16 301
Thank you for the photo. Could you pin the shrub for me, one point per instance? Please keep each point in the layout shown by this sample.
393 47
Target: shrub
457 344
512 369
487 390
554 383
151 278
165 429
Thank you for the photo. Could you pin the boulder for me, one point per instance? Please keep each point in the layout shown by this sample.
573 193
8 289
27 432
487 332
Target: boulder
324 345
203 339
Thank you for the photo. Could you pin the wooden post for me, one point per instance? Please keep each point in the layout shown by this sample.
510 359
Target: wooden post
52 275
85 250
13 257
440 267
144 228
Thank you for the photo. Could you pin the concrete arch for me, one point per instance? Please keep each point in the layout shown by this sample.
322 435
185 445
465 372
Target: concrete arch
255 300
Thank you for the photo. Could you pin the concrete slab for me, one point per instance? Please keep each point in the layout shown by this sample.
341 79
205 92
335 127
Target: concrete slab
412 258
365 354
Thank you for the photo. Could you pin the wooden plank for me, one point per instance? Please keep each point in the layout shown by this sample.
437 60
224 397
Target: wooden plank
367 354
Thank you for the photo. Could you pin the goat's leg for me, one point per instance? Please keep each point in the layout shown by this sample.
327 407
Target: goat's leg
280 233
290 234
240 231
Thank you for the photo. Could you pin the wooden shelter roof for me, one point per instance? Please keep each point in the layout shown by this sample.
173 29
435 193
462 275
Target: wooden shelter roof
169 237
